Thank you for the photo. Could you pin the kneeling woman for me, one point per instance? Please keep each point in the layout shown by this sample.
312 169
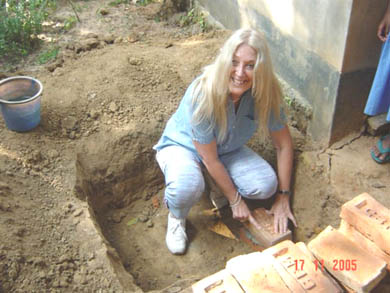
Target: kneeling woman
220 111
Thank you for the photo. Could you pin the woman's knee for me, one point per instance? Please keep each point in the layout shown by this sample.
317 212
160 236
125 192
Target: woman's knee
262 188
185 190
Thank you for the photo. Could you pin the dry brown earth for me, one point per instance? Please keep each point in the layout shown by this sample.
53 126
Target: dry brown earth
84 183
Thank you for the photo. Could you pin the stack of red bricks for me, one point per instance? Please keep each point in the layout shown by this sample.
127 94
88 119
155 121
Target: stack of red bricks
353 258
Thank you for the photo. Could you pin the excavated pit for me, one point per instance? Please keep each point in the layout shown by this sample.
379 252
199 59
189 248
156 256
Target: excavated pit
119 178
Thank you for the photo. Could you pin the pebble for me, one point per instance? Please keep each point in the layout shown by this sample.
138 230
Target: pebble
378 185
94 114
91 95
69 207
113 107
42 274
3 185
78 212
103 11
63 282
21 232
80 278
4 206
13 271
143 219
53 153
69 123
62 259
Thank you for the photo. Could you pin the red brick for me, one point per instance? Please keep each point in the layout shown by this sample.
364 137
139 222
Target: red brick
219 282
365 243
256 273
298 270
266 237
303 247
248 238
339 253
370 218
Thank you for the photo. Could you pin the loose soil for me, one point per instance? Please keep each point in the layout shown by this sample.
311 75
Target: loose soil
81 195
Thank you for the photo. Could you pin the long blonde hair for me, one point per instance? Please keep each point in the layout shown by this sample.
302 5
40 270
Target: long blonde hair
211 89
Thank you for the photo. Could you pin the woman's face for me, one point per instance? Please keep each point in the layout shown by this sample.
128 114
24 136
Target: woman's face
241 74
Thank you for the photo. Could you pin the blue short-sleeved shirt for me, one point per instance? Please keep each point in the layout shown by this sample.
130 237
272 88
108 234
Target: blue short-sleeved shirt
242 124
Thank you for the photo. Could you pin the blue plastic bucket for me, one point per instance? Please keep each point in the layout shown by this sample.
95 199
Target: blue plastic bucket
20 101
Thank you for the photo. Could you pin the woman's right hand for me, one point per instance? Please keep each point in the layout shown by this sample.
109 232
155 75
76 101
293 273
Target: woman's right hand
384 25
242 213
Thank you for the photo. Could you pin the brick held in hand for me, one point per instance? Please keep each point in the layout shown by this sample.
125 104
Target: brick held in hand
266 237
370 218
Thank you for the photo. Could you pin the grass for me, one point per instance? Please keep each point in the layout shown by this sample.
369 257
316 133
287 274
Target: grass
69 23
20 25
118 2
193 16
48 55
144 2
288 100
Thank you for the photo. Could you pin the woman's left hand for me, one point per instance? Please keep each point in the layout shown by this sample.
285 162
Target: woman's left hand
282 213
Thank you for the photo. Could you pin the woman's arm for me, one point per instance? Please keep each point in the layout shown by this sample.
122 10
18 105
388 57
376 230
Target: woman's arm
284 154
209 156
383 28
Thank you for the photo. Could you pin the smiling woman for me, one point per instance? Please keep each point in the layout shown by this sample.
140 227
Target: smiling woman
241 74
220 111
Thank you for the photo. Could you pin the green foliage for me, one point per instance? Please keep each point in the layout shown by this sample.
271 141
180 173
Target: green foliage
288 100
48 55
194 17
118 2
144 2
20 23
69 23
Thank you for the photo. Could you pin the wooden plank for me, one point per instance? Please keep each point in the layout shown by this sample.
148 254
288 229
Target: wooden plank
370 218
266 237
256 274
346 261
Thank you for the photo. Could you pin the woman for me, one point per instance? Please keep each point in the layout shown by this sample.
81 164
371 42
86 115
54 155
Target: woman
219 113
379 99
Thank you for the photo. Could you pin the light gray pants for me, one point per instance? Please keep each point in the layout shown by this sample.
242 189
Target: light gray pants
253 177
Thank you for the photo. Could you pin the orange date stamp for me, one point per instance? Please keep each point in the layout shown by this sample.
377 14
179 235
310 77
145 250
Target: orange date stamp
335 265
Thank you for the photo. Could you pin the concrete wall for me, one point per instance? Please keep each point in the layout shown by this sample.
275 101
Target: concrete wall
324 49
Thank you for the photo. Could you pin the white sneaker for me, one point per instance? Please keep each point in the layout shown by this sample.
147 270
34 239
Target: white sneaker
176 238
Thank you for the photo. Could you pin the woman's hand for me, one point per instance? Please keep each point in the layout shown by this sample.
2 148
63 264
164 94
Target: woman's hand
242 213
384 25
282 213
284 153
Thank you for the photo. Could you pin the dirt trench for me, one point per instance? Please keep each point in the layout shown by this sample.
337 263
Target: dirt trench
123 185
